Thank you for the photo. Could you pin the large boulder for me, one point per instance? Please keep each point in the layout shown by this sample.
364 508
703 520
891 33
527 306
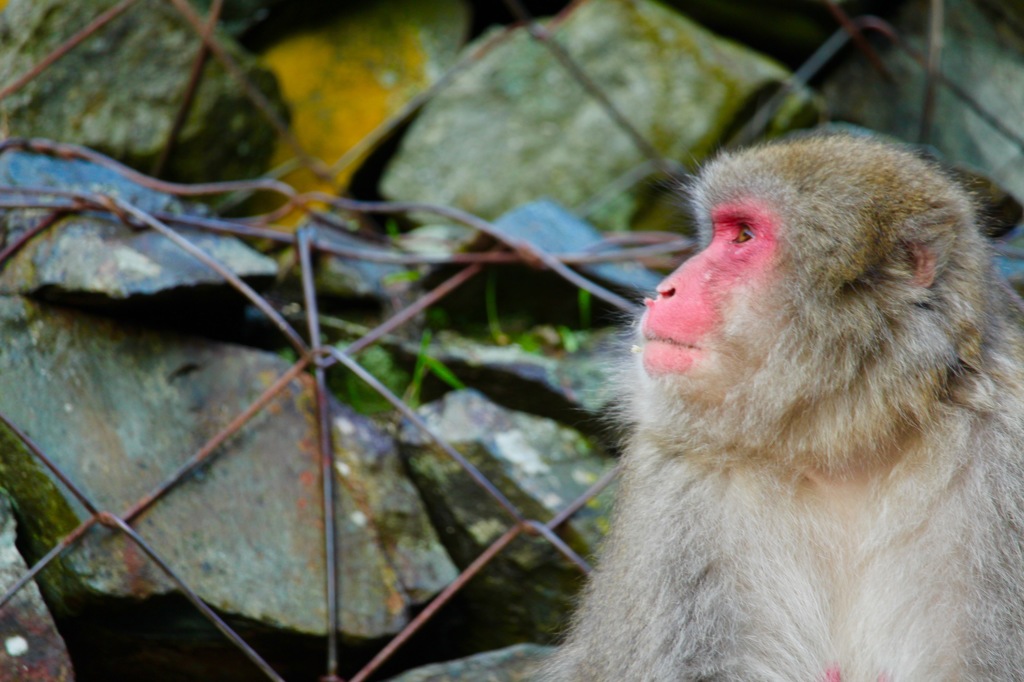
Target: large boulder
983 55
346 76
126 108
516 126
120 409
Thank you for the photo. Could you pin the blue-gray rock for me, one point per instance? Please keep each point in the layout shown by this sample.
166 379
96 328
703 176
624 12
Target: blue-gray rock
92 257
554 229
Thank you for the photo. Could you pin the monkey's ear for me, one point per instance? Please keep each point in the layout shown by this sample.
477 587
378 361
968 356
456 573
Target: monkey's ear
924 262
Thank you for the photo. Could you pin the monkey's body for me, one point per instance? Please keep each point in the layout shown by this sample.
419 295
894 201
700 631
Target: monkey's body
748 578
825 476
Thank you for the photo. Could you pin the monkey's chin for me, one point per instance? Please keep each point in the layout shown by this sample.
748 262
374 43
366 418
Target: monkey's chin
668 357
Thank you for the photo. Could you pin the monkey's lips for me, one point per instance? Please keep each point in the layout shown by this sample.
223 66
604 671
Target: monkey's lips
669 356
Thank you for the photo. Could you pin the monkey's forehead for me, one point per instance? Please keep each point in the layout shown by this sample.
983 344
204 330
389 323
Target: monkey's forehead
830 174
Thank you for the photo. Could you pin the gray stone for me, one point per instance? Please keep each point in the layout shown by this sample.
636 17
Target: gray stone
441 240
524 594
120 409
512 664
373 482
239 15
94 258
787 28
43 171
1012 266
983 53
555 230
355 276
516 126
571 387
32 647
120 90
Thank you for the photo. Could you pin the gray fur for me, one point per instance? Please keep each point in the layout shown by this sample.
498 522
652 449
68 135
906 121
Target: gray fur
723 562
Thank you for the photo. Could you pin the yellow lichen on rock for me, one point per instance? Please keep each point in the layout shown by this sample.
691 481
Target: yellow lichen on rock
346 78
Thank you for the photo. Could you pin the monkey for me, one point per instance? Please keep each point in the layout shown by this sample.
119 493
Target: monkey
823 472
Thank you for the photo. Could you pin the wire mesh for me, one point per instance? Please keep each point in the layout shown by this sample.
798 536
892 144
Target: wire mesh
313 356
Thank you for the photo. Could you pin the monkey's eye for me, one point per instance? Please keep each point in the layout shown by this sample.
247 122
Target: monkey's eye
745 235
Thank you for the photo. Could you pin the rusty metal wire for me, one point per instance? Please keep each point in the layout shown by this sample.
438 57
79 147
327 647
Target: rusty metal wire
326 448
194 79
255 95
541 34
67 46
313 355
936 24
889 32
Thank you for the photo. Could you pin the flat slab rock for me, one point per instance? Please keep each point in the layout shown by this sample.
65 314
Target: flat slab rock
120 409
94 258
512 664
554 229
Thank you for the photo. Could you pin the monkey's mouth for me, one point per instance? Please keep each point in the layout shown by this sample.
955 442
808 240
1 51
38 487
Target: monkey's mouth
663 356
653 338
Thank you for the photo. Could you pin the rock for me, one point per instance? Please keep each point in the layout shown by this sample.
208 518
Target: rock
1012 267
789 29
512 664
32 647
43 171
371 472
357 276
524 594
239 15
93 258
346 76
571 387
120 409
983 53
126 109
442 240
515 126
555 230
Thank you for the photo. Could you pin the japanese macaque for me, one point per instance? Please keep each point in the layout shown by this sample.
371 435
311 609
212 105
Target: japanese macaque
824 478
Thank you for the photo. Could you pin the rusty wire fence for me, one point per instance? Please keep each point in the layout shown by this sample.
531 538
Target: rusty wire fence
313 356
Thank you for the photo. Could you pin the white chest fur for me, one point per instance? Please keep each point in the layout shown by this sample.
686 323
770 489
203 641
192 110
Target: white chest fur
829 578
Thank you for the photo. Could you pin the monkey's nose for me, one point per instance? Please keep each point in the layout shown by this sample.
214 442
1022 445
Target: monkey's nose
666 291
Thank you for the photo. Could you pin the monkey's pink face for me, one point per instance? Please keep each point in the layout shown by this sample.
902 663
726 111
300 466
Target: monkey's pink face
679 325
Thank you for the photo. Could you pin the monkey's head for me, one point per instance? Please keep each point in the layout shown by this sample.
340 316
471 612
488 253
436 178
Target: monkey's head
840 291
